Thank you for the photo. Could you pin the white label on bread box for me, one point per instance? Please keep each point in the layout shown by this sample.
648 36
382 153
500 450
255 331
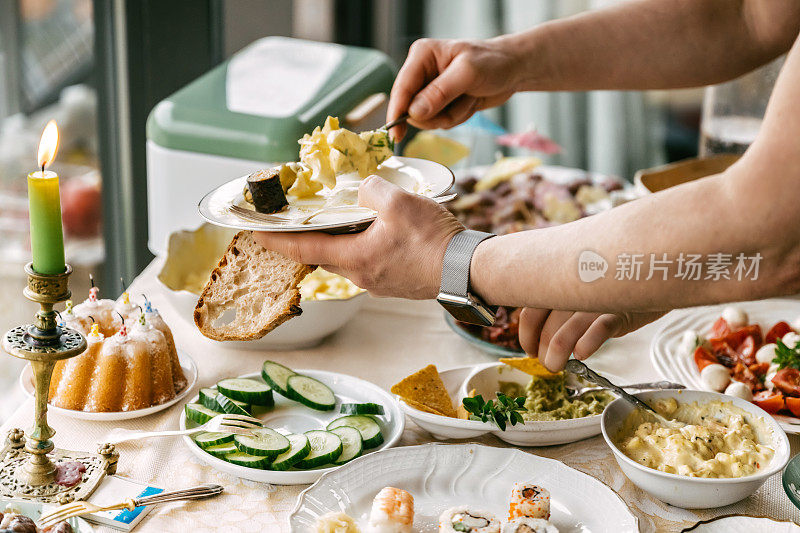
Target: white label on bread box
275 77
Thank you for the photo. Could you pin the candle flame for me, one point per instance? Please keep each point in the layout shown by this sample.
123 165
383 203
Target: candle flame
48 146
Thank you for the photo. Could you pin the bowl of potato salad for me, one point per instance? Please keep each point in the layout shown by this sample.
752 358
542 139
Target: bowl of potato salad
712 450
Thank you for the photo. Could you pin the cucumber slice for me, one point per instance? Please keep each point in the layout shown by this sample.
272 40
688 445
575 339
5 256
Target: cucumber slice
208 397
352 444
204 440
300 448
276 376
221 450
311 393
246 390
361 409
326 447
198 413
245 459
230 406
369 428
264 442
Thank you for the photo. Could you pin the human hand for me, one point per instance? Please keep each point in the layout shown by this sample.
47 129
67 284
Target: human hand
399 254
443 82
553 336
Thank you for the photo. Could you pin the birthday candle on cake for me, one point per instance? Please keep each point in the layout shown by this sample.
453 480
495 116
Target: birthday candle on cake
44 206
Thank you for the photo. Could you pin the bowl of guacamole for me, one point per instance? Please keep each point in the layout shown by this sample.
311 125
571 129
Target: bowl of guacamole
546 399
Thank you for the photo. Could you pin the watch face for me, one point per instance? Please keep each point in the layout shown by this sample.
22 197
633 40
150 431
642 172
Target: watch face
471 313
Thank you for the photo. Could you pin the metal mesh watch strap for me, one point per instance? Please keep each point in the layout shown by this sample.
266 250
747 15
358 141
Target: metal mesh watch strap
457 259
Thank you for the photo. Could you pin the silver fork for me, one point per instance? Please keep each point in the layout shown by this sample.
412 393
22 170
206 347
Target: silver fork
255 216
82 508
225 423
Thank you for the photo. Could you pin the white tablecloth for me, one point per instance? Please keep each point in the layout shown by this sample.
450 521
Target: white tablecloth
387 340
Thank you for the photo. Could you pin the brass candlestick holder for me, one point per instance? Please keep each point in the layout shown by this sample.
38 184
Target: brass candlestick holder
28 467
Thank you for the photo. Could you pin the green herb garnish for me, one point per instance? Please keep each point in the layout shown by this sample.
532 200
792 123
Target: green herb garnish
785 356
505 409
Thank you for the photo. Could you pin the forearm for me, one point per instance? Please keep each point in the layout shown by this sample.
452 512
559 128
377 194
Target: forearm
725 214
654 44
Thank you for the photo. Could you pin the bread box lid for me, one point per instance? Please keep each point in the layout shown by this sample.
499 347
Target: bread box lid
257 104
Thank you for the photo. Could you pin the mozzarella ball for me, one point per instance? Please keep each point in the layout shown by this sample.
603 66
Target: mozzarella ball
740 390
766 353
716 377
773 369
791 339
735 316
690 340
796 324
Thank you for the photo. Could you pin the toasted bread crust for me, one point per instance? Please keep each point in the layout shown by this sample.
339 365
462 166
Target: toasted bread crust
261 285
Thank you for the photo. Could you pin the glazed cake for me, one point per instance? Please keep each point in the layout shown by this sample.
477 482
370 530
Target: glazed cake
122 369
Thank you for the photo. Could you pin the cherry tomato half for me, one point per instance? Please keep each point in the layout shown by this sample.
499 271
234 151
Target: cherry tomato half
770 401
787 380
777 332
703 358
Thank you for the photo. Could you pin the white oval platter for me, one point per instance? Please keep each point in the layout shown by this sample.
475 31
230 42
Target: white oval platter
440 476
674 365
189 370
292 417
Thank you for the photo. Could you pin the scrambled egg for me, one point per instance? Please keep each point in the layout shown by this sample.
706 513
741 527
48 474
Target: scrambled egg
331 151
324 285
716 442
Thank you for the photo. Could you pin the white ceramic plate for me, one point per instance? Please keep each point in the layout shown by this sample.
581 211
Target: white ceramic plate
426 177
294 417
532 433
33 510
440 476
743 524
189 370
674 365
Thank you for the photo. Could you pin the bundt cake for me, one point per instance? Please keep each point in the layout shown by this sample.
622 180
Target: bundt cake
123 368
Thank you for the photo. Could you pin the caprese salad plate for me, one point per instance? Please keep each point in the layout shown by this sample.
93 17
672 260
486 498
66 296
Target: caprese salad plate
750 350
313 421
473 485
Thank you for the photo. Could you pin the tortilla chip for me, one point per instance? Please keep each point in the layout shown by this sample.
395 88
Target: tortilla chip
529 365
426 387
461 411
420 407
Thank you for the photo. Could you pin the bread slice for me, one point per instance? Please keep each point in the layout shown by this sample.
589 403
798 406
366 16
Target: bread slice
260 285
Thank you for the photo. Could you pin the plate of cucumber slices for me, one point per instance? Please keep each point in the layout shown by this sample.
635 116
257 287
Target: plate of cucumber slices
313 421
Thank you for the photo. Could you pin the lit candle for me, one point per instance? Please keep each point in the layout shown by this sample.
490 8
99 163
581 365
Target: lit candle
44 206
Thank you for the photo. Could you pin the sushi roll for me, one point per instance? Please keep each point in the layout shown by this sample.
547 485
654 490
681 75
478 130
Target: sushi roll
529 525
466 519
392 511
266 191
529 501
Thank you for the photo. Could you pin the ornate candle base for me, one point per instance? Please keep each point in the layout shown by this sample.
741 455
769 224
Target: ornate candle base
27 467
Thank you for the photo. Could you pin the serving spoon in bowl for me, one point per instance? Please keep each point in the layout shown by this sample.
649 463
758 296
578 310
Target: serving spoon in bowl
580 369
577 387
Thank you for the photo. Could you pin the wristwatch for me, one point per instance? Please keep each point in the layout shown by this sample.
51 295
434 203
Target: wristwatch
454 292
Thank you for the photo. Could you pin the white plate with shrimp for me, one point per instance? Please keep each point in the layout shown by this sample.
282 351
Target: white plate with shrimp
440 476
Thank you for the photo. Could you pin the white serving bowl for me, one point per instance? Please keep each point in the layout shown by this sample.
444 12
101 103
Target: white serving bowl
693 492
319 319
485 379
193 253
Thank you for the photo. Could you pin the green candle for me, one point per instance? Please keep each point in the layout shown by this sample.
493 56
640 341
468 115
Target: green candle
44 206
